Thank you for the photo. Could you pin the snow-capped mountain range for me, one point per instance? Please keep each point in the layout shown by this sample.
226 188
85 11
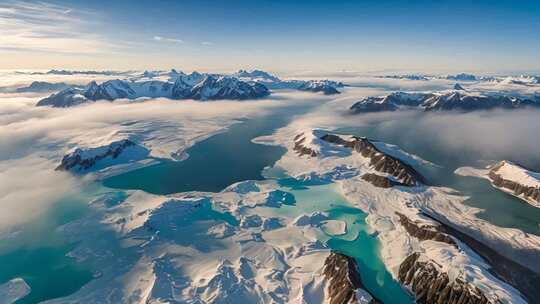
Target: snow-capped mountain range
327 87
255 75
172 84
466 77
193 86
457 99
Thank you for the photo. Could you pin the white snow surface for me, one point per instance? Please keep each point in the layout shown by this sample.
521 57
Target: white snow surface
518 174
381 206
156 249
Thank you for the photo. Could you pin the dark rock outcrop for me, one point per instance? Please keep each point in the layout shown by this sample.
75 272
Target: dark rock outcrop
370 105
78 159
522 278
452 100
215 88
194 86
431 286
462 101
380 161
425 232
343 279
300 149
379 181
529 192
319 86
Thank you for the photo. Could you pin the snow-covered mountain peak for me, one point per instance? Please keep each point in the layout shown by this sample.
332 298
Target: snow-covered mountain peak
193 86
256 75
455 99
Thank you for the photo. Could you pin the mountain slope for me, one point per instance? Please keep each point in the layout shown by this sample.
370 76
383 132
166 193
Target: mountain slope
194 86
449 100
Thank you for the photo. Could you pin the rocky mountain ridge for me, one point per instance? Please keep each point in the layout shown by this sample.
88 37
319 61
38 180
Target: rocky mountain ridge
81 160
433 249
449 100
194 86
517 180
344 283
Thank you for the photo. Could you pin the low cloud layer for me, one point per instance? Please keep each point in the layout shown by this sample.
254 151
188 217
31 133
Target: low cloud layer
33 139
489 135
484 135
28 186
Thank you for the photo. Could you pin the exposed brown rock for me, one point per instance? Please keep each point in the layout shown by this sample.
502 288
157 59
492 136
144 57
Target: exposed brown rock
520 277
380 161
430 286
531 193
300 148
343 279
379 181
73 159
425 232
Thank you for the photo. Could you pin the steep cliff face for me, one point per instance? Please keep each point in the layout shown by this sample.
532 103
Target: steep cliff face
344 284
381 162
432 286
424 231
517 180
426 279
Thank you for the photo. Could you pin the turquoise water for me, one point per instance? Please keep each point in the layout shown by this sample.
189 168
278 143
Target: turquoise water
214 163
356 243
230 157
38 253
499 208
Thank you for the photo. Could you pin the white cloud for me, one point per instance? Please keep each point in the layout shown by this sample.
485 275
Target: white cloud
27 187
33 139
45 27
488 135
207 43
166 39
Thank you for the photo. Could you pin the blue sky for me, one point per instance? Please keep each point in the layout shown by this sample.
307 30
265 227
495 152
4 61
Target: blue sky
325 36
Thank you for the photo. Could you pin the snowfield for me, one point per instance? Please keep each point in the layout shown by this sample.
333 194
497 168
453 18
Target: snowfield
343 166
207 247
237 245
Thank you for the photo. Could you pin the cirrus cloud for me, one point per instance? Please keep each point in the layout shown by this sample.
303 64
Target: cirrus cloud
46 27
167 39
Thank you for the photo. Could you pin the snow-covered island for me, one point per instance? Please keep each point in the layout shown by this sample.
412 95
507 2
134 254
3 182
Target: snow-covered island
238 253
431 242
510 178
118 153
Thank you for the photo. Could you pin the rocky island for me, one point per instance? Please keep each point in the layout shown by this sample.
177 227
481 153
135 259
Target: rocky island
516 180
